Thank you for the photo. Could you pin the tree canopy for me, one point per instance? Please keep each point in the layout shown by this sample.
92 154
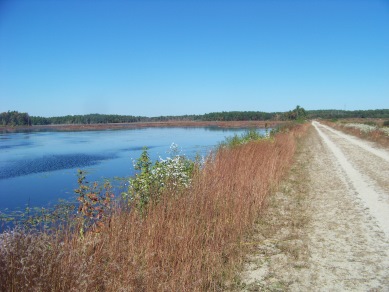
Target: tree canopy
14 118
298 113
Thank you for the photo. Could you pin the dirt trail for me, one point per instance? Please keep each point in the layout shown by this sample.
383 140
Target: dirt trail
343 188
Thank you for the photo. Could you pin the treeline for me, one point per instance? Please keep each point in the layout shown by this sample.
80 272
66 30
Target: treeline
239 116
86 119
343 114
224 116
298 113
101 119
15 118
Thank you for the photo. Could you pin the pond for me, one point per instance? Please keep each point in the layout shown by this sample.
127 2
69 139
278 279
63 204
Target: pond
39 168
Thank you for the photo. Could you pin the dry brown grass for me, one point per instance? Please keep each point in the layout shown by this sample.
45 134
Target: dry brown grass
278 247
376 136
185 243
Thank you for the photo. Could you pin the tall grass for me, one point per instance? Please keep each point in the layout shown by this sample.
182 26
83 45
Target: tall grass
187 242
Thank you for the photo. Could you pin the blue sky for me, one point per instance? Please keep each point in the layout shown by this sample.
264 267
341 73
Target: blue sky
155 58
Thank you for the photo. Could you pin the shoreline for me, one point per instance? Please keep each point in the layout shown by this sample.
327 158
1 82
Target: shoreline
137 125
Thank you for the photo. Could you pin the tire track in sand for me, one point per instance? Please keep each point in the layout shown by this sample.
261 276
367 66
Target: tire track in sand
373 198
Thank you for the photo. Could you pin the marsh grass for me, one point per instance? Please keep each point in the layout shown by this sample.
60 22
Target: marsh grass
189 241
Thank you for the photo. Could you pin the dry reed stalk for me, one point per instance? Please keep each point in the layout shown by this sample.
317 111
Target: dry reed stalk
189 242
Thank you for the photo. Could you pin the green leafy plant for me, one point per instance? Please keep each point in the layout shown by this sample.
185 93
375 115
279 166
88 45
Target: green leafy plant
250 135
170 175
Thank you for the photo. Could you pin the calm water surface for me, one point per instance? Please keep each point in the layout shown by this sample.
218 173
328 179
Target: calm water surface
41 167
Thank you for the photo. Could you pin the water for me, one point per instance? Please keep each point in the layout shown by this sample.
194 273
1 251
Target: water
38 168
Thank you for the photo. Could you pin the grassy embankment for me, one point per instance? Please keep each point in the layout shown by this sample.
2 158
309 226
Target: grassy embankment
375 130
188 241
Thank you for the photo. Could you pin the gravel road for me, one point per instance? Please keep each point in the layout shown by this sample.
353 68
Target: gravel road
345 243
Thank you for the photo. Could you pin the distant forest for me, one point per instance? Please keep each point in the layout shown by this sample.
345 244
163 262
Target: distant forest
340 114
14 118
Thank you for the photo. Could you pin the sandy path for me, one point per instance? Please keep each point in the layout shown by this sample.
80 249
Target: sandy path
372 196
345 242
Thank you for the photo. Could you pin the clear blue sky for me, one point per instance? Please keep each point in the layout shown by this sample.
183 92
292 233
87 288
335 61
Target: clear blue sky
154 58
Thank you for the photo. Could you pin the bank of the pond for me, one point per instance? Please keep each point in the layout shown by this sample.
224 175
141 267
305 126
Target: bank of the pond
121 126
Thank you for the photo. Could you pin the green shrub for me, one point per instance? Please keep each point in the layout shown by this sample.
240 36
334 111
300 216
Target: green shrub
236 140
170 175
386 123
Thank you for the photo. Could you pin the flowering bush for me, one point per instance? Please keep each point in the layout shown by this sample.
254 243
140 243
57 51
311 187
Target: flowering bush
170 175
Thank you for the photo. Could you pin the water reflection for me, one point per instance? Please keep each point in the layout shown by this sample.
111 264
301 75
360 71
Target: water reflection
50 163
